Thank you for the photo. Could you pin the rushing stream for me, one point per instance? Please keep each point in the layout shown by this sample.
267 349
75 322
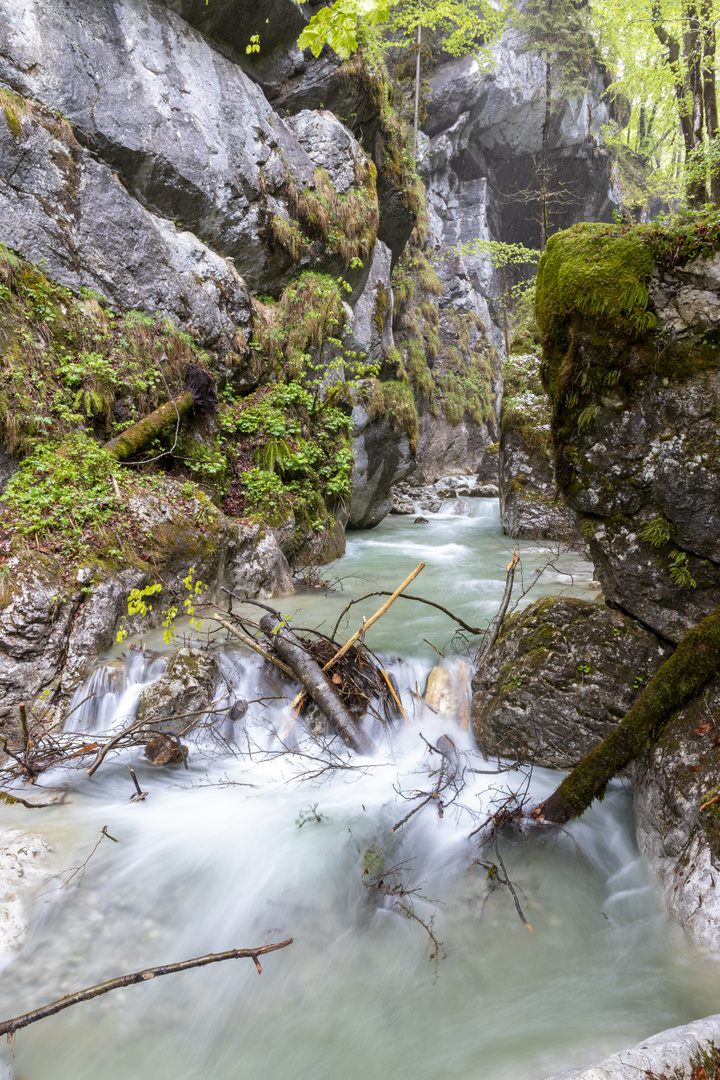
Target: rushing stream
257 846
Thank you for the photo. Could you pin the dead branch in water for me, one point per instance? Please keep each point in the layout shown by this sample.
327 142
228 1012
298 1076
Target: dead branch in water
316 683
497 621
419 600
9 1027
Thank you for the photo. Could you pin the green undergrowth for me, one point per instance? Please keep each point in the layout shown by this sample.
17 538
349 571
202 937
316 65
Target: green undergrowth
525 405
394 401
323 221
70 497
449 367
69 362
288 453
394 138
307 315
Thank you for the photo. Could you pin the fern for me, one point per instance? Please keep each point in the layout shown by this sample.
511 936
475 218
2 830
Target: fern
679 571
612 378
656 532
274 456
588 416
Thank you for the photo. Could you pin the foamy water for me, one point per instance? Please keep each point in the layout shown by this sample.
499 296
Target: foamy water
231 854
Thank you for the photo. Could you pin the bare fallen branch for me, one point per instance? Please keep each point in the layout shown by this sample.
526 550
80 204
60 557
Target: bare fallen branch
9 1027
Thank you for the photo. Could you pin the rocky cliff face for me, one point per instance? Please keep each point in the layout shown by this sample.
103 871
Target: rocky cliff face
484 139
631 367
529 504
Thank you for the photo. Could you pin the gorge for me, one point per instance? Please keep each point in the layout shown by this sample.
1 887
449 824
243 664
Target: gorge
242 262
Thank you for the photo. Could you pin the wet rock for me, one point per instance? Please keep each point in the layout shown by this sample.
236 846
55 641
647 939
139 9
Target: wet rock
446 691
370 322
24 859
684 1053
529 508
51 632
444 448
164 750
561 676
188 131
421 521
402 506
180 697
382 458
682 841
62 208
9 465
486 491
433 507
645 473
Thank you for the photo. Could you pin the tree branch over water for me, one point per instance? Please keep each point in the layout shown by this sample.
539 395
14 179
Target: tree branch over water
9 1027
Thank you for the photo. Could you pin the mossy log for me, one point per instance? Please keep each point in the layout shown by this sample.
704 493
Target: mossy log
695 661
137 437
316 683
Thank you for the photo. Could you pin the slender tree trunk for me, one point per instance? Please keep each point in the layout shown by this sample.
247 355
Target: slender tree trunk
418 42
544 162
696 191
695 661
710 91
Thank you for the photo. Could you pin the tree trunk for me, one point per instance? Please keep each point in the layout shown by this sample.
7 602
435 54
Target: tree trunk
710 92
544 161
136 438
310 674
697 194
417 86
695 661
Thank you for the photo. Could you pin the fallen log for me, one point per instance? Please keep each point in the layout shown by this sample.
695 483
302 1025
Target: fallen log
317 685
695 661
9 1027
131 441
200 395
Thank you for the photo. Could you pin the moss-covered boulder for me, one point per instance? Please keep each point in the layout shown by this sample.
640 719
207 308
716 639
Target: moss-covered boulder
677 814
562 674
630 320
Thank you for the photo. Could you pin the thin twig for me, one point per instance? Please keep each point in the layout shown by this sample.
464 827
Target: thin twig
9 1027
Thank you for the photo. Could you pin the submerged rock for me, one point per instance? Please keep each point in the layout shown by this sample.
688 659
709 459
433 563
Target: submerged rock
178 699
683 1053
560 677
446 691
677 815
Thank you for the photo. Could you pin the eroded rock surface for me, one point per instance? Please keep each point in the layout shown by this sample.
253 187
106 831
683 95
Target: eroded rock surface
561 676
683 1053
181 696
529 506
681 775
62 208
54 623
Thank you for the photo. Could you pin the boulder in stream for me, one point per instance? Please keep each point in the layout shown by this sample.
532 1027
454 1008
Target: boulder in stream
560 677
179 698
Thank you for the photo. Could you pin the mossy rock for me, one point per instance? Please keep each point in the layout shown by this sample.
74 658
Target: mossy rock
560 677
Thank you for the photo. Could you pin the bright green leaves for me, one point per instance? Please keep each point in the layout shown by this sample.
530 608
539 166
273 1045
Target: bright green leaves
338 25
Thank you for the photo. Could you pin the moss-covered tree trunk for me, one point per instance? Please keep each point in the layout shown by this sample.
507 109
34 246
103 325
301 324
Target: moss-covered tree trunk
137 437
695 661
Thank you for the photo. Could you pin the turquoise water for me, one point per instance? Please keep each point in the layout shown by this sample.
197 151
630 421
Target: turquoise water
231 854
